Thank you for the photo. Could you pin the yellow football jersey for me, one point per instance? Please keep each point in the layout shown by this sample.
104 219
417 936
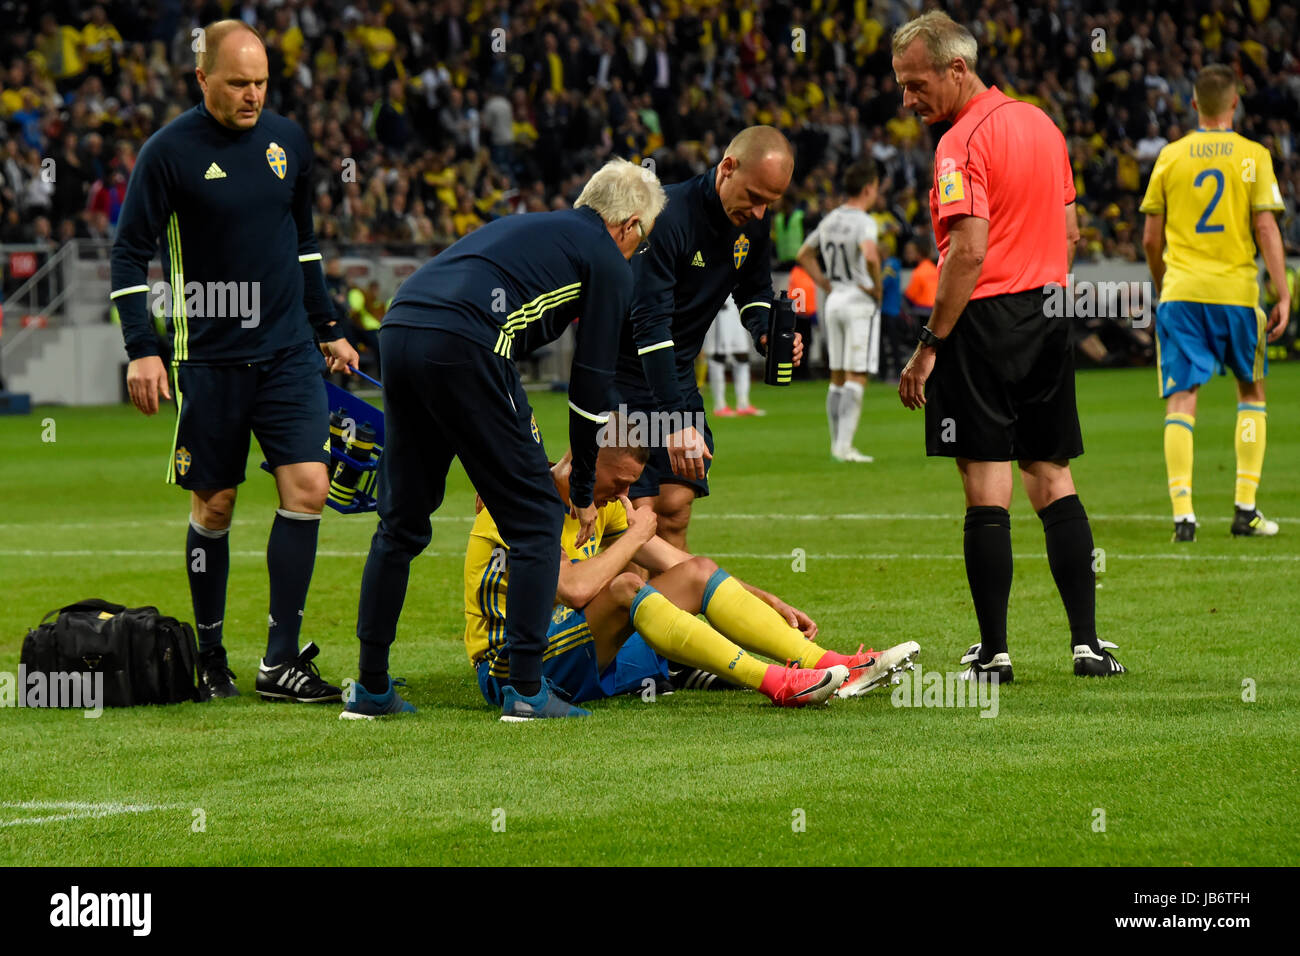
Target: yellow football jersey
1208 185
487 573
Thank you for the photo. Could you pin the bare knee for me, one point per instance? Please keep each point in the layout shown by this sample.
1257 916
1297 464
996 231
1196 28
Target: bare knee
700 570
307 493
624 588
987 484
673 521
1046 482
1184 402
213 509
309 496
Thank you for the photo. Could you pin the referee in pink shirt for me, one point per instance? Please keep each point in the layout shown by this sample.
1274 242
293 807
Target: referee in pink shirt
993 371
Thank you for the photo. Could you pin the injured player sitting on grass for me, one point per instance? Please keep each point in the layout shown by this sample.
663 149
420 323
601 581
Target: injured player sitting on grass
613 633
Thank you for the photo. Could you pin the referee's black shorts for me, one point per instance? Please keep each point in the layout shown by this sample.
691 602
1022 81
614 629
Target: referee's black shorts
1002 388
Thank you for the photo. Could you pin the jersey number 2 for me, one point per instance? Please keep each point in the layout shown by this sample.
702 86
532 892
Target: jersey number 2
1203 224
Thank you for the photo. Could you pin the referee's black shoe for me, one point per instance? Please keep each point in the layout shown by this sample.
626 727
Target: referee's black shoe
216 679
998 669
1184 530
1090 663
297 680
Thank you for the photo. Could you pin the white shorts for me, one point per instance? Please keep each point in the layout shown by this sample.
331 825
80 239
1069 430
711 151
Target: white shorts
726 336
852 326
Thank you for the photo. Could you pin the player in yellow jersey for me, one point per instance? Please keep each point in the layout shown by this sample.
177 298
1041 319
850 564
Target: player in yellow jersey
611 631
1209 203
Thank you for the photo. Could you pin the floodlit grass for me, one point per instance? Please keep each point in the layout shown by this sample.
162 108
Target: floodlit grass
1184 769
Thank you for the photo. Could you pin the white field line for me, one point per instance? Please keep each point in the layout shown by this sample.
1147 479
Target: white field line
468 519
171 553
74 811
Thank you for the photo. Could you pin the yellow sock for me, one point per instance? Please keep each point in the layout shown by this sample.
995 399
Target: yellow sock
753 624
1252 432
1178 461
681 636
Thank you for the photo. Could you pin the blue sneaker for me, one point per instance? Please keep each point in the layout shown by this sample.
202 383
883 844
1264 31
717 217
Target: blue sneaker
516 708
360 704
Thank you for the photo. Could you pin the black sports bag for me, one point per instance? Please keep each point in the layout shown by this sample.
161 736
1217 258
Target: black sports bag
145 657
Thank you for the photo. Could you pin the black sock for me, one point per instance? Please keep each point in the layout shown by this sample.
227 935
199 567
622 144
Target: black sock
207 559
987 543
1069 554
375 682
528 688
290 557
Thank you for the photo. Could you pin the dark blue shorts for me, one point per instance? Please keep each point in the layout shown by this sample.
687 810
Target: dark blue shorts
570 664
659 469
281 401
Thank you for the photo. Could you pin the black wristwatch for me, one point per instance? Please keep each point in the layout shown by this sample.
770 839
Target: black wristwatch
927 337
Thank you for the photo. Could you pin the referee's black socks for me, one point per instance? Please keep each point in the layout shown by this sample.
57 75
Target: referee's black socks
1069 554
987 544
290 557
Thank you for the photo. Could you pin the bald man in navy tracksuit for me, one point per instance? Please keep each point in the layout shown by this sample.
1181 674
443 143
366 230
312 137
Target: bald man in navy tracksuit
712 241
226 189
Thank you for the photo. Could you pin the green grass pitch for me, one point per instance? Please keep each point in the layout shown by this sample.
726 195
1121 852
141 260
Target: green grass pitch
1179 768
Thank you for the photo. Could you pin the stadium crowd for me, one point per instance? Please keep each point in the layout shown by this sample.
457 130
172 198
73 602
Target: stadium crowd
429 117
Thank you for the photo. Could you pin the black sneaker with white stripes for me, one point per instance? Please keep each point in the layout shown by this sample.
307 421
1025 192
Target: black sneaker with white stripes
998 669
297 680
1088 663
685 677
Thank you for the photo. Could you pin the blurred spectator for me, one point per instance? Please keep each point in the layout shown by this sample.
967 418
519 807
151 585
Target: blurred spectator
60 51
787 231
898 333
102 43
366 311
423 96
803 293
924 283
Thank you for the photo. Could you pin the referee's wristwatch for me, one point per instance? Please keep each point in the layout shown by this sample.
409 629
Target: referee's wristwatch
927 337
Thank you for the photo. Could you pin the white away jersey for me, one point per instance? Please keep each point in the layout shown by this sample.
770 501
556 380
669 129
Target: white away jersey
840 236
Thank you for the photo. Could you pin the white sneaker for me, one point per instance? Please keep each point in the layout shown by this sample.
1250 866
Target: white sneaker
888 666
852 454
